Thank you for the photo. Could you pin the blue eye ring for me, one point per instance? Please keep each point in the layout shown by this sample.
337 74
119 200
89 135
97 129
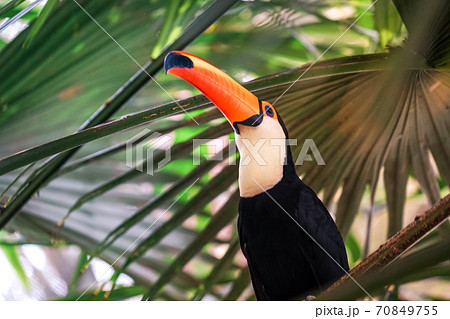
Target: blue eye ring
269 111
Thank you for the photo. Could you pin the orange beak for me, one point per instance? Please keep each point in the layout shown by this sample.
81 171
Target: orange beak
235 102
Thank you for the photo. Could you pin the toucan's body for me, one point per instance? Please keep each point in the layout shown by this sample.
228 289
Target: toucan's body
291 243
282 251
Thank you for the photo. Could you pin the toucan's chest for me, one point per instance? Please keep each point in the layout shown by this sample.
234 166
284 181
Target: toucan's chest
264 212
267 209
264 219
269 233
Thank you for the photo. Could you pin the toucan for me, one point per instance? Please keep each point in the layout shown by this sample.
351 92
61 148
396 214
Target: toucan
292 245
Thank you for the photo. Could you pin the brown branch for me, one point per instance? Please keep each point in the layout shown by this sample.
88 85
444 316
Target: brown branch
396 245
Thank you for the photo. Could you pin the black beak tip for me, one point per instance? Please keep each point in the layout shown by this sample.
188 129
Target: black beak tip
176 60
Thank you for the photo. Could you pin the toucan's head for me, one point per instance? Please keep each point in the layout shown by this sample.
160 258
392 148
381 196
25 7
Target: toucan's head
241 107
260 133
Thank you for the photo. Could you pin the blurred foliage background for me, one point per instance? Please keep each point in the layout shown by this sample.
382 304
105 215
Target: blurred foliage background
376 104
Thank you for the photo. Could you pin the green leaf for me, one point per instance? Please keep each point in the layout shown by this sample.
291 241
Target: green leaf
43 15
9 6
219 220
24 14
179 150
216 186
82 259
218 270
242 281
121 293
153 204
440 271
354 248
395 179
388 23
118 100
11 253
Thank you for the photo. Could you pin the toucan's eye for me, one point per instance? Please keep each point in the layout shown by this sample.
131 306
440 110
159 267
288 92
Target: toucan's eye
269 111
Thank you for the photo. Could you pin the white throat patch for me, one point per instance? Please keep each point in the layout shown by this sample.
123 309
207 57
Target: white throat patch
262 156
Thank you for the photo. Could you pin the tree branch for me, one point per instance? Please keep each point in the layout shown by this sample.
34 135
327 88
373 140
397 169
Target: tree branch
395 246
